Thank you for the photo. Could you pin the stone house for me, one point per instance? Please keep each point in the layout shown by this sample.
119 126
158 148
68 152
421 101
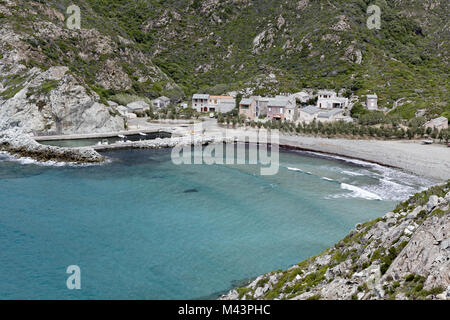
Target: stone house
328 99
281 108
245 108
161 102
440 123
254 107
308 114
221 104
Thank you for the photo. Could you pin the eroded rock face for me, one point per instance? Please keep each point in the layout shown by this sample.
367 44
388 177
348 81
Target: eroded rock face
427 254
40 95
53 102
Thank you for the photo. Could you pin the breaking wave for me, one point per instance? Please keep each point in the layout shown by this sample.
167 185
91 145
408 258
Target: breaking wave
357 192
368 180
300 170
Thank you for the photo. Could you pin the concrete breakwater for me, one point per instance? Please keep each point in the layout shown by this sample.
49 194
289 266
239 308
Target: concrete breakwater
23 145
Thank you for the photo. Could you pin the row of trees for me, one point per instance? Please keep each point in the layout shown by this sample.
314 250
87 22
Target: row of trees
342 128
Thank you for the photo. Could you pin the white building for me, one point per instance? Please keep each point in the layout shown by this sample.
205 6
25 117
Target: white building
372 101
161 102
311 113
208 103
221 104
308 114
328 99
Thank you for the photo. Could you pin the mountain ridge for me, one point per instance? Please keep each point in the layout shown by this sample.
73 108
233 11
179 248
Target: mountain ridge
150 48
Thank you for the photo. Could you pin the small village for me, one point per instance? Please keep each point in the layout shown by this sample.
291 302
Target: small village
296 108
324 112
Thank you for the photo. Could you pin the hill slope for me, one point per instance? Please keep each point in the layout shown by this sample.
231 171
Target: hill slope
56 80
174 48
223 45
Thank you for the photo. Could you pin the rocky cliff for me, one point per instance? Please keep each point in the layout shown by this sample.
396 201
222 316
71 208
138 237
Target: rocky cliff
55 80
403 255
175 48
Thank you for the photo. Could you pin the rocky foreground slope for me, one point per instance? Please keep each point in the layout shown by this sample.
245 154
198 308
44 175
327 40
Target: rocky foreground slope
403 255
53 80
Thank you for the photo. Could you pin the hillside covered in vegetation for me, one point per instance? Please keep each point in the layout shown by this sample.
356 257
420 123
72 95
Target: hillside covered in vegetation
175 48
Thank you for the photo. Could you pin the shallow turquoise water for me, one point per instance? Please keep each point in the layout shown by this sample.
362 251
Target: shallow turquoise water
140 227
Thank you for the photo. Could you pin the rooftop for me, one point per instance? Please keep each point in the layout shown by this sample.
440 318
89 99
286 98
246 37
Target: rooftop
246 101
278 102
440 119
311 109
330 113
163 98
200 96
331 92
221 97
136 105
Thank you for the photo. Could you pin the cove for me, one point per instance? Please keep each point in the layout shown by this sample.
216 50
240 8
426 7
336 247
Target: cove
136 233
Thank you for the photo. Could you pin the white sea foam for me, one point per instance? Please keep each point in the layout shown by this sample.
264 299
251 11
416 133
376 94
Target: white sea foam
352 173
299 170
393 184
358 192
349 160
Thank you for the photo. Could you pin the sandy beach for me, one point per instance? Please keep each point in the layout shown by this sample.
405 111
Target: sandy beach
432 161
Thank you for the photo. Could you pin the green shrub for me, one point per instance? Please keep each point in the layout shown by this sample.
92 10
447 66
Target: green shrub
124 99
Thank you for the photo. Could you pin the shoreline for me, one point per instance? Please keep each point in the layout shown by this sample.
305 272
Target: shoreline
289 147
429 161
422 160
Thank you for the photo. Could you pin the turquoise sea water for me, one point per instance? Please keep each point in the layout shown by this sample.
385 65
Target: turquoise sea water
140 227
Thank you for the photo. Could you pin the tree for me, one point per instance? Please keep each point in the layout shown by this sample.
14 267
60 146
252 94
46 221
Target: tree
410 134
358 110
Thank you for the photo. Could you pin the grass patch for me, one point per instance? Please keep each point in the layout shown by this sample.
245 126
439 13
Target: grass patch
124 99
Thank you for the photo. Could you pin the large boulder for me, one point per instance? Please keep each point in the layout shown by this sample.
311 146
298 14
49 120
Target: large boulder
433 202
